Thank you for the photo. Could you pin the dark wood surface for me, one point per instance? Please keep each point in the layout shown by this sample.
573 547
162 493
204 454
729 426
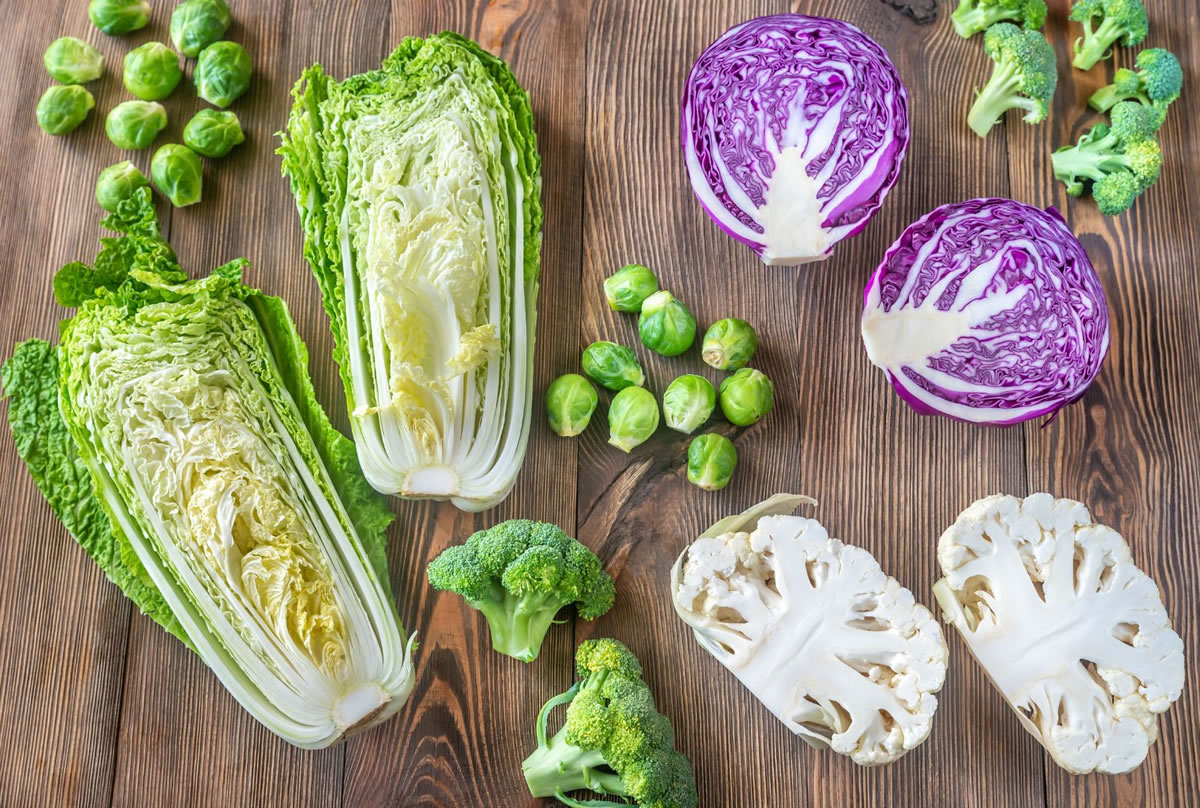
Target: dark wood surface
99 707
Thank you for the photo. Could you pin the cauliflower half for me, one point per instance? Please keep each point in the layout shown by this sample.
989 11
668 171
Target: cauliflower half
837 650
1069 630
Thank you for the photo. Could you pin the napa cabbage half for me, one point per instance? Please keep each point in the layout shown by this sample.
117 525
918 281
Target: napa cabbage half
418 187
176 434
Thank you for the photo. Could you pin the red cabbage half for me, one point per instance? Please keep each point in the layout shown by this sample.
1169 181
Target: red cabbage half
794 129
987 311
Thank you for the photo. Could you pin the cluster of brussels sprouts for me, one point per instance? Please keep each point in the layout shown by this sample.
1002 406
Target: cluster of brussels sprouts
151 72
666 327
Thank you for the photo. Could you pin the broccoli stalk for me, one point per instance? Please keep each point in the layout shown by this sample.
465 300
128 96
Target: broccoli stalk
973 16
1158 80
520 574
1121 161
1123 20
1024 77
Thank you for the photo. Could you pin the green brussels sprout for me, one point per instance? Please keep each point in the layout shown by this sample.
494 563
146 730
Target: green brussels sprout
570 402
213 133
628 287
746 396
118 182
177 173
222 73
665 324
613 366
135 124
72 61
117 17
152 71
632 418
711 461
729 344
688 402
63 107
196 24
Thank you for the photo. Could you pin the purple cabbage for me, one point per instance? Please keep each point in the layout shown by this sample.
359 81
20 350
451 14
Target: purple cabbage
987 311
794 129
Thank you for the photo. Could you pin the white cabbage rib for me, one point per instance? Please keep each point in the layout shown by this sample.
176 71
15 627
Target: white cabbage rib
1067 627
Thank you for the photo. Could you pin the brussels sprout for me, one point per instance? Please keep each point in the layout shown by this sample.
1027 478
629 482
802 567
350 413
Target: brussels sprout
711 461
152 71
119 16
213 133
118 182
73 61
632 417
222 73
746 396
729 344
665 324
613 366
177 173
196 24
688 402
570 402
63 107
135 124
628 287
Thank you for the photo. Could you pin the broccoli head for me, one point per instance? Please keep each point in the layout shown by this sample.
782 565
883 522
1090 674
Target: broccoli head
973 16
520 574
1158 80
614 740
1123 20
1121 160
1024 77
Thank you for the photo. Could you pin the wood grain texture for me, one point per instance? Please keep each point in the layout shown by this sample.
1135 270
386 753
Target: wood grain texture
102 708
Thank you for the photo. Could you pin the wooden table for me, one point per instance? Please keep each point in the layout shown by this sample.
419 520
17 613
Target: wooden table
100 707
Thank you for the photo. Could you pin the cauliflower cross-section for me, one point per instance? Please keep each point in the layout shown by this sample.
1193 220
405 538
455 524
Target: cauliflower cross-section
837 650
1067 627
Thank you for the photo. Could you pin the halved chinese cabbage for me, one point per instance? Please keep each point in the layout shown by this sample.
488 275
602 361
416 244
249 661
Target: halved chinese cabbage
176 434
418 187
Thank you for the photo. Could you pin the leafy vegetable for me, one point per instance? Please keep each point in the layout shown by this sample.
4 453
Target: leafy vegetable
665 324
196 24
63 107
987 311
746 396
973 16
628 287
632 418
222 73
794 129
212 133
1024 77
1119 20
176 434
614 740
711 461
1158 80
834 647
612 366
70 60
152 71
688 402
135 124
729 344
117 183
1069 630
117 17
1122 160
570 402
520 575
177 172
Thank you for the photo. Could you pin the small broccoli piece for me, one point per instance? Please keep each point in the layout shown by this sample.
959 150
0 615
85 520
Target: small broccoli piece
520 574
1122 160
1158 80
973 16
614 740
1024 77
1123 20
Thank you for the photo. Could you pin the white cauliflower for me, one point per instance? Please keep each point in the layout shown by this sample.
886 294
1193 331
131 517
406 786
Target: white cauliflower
836 649
1067 627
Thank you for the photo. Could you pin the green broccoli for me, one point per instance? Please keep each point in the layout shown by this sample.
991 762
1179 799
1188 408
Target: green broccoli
1159 79
614 740
1122 161
973 16
520 574
1024 77
1123 20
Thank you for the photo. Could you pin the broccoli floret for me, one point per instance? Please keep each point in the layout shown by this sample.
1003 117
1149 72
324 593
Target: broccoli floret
614 740
1159 79
1122 160
1123 20
520 574
973 16
1024 77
